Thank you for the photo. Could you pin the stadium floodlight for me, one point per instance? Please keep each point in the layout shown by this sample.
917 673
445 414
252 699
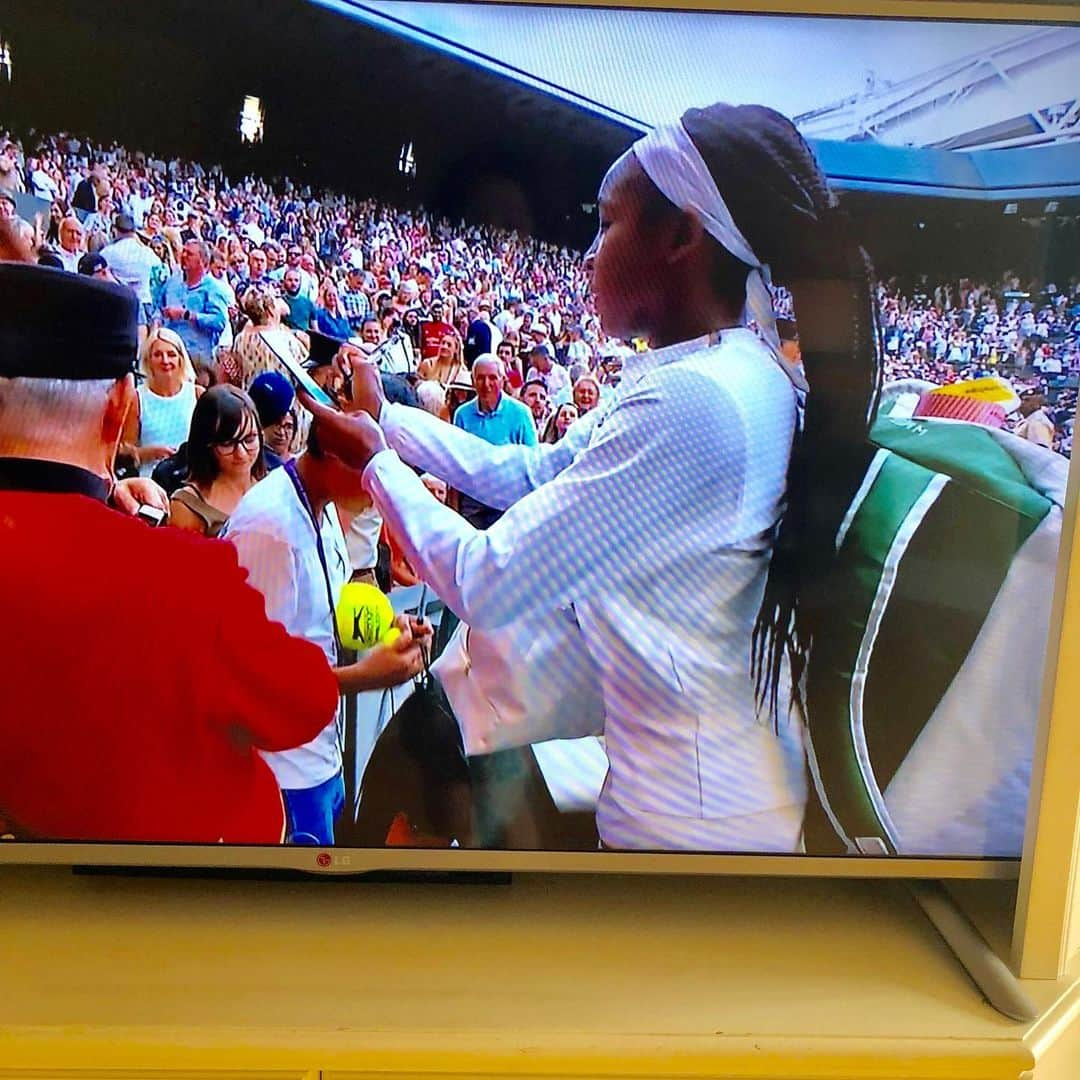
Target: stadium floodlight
407 160
1011 208
7 69
251 120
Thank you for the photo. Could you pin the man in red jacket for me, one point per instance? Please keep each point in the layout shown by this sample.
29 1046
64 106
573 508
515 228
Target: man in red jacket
142 676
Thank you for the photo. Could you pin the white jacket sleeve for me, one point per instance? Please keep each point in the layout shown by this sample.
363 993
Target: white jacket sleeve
635 498
495 475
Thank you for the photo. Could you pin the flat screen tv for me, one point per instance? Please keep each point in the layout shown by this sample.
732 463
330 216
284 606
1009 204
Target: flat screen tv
725 369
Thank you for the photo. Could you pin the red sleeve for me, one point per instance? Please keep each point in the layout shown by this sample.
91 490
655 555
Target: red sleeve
277 690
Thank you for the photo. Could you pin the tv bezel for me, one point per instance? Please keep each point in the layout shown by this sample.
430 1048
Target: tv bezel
1061 690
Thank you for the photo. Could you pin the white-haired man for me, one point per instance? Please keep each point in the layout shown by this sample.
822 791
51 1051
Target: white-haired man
496 418
135 748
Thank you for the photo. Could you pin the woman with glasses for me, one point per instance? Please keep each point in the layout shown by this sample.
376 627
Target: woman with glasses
225 457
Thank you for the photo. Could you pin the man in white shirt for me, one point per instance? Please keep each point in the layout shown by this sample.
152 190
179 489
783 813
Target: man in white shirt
142 198
288 537
1035 426
542 368
369 336
510 317
130 260
44 186
578 351
72 244
253 230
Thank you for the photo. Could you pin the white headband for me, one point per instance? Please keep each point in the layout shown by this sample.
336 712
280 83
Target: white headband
675 165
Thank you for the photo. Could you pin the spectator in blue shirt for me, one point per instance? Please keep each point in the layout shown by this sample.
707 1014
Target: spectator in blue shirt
330 319
301 310
192 305
496 418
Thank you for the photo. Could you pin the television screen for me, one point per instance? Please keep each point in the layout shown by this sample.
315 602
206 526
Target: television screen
487 435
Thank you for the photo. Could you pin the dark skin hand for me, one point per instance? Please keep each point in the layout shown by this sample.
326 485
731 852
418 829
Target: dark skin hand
354 436
364 379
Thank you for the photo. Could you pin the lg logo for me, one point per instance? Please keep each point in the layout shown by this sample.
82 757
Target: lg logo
324 860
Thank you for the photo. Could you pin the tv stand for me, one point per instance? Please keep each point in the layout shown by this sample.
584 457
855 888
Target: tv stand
987 970
561 976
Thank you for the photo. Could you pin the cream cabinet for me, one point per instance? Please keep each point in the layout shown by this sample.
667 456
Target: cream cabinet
560 977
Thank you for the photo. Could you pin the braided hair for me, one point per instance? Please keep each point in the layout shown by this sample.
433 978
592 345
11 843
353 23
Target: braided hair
782 204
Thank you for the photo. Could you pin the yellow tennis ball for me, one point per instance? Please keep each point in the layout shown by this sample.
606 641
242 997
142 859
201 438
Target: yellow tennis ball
365 616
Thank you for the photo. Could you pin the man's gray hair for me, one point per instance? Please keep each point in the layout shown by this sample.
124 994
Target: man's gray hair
39 408
495 361
204 249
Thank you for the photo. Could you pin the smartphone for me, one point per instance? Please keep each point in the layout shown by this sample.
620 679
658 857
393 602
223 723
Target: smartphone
303 379
151 515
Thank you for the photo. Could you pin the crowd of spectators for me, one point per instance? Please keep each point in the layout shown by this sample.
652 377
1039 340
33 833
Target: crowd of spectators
1026 333
341 266
244 271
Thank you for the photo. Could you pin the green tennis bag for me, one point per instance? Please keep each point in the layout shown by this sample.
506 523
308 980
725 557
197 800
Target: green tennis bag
923 692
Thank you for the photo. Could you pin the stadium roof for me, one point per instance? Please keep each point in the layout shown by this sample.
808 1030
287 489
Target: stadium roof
346 89
897 82
874 115
984 175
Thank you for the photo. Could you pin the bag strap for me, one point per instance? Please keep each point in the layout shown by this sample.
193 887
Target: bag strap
305 502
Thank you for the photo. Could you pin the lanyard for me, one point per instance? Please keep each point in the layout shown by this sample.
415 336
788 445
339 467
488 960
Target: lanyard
301 494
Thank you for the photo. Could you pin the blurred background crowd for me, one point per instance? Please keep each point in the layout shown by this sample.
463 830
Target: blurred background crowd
232 274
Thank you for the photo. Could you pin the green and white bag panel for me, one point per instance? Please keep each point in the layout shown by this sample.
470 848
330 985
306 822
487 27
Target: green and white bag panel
922 698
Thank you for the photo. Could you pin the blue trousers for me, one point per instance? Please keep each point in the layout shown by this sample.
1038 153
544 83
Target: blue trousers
312 812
